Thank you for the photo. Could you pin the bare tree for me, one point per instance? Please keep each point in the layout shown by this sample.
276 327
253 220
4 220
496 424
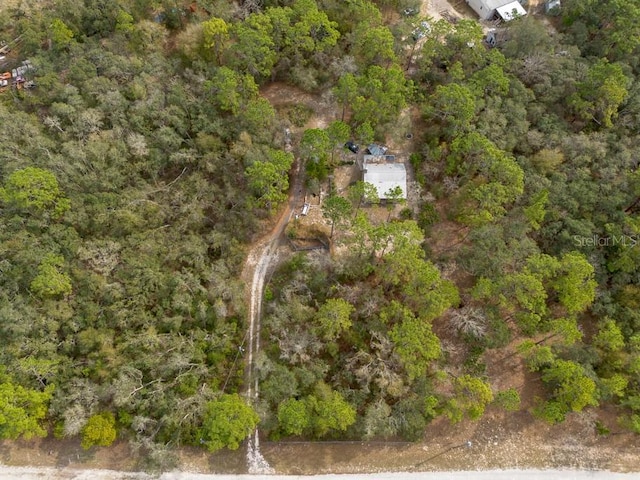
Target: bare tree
250 6
75 417
469 320
534 68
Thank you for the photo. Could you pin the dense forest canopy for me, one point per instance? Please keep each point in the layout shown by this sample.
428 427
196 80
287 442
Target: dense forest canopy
143 162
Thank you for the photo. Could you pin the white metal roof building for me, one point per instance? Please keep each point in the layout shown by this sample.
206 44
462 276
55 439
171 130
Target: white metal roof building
511 10
489 9
385 177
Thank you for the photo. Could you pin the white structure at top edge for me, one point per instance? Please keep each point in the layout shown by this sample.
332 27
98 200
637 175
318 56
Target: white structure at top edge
493 9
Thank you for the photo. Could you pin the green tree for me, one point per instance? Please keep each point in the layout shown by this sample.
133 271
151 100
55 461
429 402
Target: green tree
230 90
258 117
365 133
338 133
50 281
454 105
491 178
253 50
312 30
551 411
536 212
538 357
491 80
572 389
521 294
463 43
100 430
227 421
393 196
382 93
612 28
613 387
36 189
331 412
344 12
415 344
404 270
279 385
604 89
334 316
315 145
609 337
22 410
124 22
61 35
215 33
566 329
336 209
293 416
575 283
345 91
508 399
362 192
373 45
269 179
472 395
301 30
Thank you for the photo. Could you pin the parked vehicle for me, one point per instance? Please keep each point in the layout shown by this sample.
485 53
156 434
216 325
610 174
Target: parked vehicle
352 146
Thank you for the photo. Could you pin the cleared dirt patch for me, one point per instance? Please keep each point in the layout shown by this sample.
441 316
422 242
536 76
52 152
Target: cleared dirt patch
284 97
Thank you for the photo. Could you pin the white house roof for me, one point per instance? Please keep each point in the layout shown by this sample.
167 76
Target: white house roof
386 176
507 11
494 4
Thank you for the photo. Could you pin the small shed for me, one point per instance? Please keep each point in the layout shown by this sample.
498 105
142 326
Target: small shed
376 150
552 7
490 9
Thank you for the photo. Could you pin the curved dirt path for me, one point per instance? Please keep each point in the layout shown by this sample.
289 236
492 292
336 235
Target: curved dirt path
262 257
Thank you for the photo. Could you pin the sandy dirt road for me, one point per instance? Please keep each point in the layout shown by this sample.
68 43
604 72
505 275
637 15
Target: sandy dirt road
262 257
28 473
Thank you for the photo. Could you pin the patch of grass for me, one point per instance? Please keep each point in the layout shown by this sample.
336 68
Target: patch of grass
406 214
268 294
499 333
427 217
602 429
437 189
416 160
508 399
472 364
